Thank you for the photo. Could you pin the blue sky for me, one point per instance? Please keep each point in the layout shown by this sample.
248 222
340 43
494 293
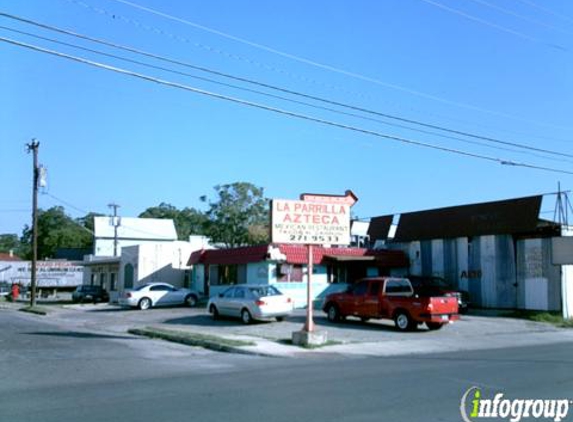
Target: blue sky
499 69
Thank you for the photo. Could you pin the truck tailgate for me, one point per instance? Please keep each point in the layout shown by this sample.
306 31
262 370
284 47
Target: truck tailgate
444 305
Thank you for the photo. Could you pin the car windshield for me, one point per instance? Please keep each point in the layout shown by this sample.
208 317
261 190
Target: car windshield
262 291
439 283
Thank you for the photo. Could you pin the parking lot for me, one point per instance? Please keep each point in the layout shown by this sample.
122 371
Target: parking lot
352 337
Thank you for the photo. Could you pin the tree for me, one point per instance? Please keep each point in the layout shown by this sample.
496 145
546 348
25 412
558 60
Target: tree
88 221
10 242
188 221
56 230
239 216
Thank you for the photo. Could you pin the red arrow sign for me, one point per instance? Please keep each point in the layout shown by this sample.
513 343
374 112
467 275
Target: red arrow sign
347 199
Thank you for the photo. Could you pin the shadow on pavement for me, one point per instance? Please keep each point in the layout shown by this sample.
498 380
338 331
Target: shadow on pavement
76 334
118 309
207 321
347 324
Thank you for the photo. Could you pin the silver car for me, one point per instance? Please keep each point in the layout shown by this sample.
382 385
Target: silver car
158 294
251 302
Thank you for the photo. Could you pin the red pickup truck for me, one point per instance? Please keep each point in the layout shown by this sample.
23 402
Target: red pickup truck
391 298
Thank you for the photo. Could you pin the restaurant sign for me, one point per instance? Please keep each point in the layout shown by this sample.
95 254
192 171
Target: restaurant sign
310 223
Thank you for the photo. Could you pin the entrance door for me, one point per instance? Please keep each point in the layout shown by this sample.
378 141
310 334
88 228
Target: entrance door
128 277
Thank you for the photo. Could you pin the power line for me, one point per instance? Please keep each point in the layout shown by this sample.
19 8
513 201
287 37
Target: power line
66 203
546 10
491 24
250 61
519 16
274 87
308 61
279 111
316 106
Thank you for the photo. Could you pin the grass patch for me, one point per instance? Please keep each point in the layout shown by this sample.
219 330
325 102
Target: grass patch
554 318
207 341
38 310
288 342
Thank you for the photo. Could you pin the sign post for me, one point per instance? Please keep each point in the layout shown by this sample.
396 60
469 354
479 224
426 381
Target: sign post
309 324
316 219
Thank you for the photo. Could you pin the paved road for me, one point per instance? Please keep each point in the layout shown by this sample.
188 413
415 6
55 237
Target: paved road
52 374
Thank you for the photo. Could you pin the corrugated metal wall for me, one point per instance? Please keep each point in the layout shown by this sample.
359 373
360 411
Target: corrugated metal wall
496 270
538 279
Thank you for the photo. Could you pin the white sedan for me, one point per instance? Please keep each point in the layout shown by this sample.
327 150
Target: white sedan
158 294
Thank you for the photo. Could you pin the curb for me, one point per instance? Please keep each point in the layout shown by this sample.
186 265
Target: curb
186 339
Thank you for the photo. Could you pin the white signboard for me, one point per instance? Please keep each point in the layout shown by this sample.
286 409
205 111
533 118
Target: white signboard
310 223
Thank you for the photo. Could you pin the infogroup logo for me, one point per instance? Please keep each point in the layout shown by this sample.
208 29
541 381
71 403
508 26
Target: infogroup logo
475 407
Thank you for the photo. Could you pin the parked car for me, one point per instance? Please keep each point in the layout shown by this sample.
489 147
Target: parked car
391 298
251 302
158 294
90 294
438 286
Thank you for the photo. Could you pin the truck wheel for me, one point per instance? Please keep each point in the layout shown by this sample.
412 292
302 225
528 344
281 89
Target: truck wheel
332 313
403 321
434 325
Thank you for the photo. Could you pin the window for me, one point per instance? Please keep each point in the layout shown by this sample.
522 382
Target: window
264 291
229 293
375 288
289 273
220 275
239 294
112 280
398 287
161 288
359 288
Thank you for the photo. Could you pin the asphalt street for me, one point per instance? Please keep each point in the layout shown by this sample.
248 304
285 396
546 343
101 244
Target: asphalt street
48 373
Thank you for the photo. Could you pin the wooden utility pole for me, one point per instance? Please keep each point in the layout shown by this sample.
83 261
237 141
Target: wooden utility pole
33 147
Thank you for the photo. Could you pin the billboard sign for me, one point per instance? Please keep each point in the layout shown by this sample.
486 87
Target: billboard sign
310 223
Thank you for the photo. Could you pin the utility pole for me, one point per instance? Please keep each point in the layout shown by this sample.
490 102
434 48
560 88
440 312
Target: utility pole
33 147
116 224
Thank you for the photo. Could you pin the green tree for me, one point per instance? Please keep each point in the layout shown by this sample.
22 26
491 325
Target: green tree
88 221
56 230
188 221
9 242
239 216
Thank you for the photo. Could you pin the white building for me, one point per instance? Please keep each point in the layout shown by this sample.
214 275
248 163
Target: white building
137 250
111 234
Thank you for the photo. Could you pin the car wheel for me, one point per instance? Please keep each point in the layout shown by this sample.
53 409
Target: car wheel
144 304
191 301
214 312
280 318
403 321
434 325
246 316
332 313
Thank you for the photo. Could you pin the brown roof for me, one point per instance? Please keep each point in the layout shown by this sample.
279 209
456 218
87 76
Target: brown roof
298 254
8 257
